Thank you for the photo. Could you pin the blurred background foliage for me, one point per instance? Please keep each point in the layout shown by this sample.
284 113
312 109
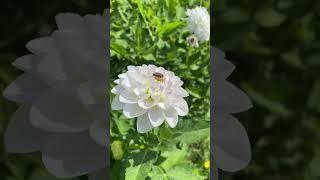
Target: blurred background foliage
275 46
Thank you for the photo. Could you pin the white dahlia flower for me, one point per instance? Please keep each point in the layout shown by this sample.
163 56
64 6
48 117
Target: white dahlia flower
63 111
152 94
199 23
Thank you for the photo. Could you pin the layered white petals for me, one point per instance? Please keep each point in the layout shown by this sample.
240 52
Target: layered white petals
143 124
199 23
152 94
156 116
181 106
116 104
133 110
171 117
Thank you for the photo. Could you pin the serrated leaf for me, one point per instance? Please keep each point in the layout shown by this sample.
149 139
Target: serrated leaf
173 158
138 172
179 173
139 164
193 136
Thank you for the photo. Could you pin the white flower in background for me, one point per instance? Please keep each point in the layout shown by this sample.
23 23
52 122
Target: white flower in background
152 94
193 41
199 23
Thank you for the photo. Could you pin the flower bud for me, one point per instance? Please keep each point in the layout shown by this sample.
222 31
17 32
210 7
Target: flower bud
118 150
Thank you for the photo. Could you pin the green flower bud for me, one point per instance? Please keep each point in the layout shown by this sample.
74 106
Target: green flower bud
118 150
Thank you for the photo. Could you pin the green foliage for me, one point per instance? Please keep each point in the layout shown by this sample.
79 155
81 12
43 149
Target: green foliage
154 32
275 46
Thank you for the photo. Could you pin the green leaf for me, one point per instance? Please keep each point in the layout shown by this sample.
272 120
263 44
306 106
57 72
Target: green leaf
173 158
269 17
235 15
158 174
165 133
123 125
149 57
179 173
169 27
138 172
272 105
292 58
194 136
139 164
193 92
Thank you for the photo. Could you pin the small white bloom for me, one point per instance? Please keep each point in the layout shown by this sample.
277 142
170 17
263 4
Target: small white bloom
152 94
193 41
199 23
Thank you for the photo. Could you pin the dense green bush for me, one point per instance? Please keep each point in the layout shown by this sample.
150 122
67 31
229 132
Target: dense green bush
154 32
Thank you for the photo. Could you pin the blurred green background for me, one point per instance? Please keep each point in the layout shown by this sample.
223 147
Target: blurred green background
274 45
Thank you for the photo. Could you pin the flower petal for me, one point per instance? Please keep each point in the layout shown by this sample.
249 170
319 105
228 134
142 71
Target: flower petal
116 90
42 46
27 62
176 81
128 97
133 110
52 70
171 116
231 150
145 104
55 112
156 116
117 81
20 136
221 68
97 26
181 107
98 132
69 21
116 104
229 98
73 154
25 88
180 92
143 124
